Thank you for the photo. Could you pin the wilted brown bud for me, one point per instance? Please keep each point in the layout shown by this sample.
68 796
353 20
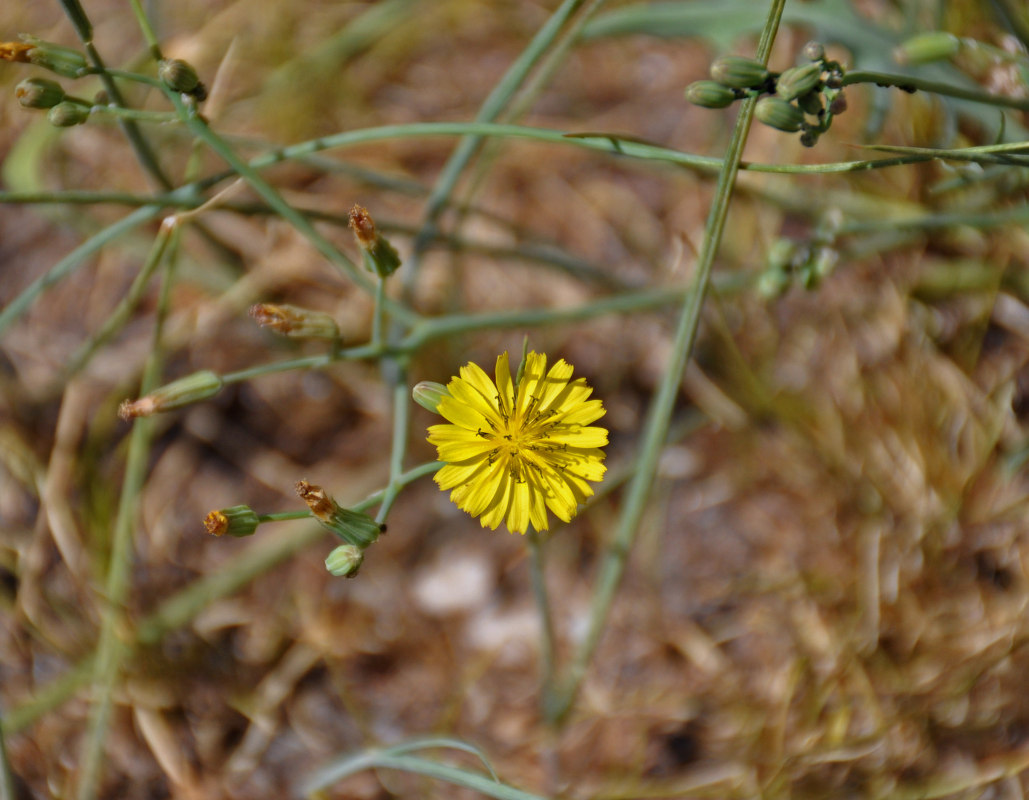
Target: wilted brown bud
297 323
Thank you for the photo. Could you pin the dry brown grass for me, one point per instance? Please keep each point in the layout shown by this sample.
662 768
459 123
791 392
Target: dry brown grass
828 598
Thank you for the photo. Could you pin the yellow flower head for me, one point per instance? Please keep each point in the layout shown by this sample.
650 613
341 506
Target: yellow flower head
513 451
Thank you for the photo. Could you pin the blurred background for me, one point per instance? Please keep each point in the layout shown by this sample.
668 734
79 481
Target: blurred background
827 594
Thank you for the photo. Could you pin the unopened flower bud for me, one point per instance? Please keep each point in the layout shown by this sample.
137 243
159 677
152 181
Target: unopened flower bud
178 75
738 72
379 255
814 51
797 81
710 94
57 58
780 114
927 47
427 394
295 322
38 93
352 527
237 521
345 561
67 114
811 103
809 138
839 104
191 389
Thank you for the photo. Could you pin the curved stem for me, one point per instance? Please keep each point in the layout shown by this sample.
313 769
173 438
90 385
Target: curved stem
660 411
909 83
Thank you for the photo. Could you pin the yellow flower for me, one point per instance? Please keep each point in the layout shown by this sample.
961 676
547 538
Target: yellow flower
513 451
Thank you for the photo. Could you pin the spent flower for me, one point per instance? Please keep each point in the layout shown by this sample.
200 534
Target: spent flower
514 450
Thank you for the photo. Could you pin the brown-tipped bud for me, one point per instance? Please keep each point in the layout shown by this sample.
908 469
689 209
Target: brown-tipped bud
237 521
294 322
797 81
178 75
738 72
345 561
363 226
379 255
839 104
710 94
191 389
427 394
353 527
927 47
67 114
780 114
65 61
15 51
38 93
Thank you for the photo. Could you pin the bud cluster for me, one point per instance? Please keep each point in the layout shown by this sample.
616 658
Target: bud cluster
805 262
801 99
357 530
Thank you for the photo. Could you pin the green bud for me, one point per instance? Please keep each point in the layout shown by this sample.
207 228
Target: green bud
64 61
780 114
237 521
738 72
771 283
294 322
797 81
191 389
382 259
811 103
710 94
39 93
178 75
67 114
353 527
428 394
926 47
344 561
809 138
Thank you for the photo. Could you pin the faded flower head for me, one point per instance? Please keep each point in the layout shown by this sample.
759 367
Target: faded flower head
514 450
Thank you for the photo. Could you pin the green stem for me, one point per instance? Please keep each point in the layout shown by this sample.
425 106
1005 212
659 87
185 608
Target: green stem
66 265
139 115
202 131
147 29
496 101
401 417
543 608
909 83
6 773
123 311
111 649
661 407
378 313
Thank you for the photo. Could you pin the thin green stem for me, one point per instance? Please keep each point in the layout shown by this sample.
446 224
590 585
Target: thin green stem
491 108
284 516
75 258
147 30
144 153
182 607
378 313
543 609
909 83
660 412
335 256
139 115
111 649
120 315
398 449
6 773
